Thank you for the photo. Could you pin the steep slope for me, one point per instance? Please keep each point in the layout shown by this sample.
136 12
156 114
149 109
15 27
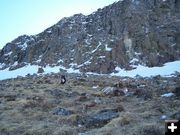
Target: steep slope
123 34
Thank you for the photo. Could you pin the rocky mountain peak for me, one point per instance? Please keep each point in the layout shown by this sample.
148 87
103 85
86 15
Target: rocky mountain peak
124 34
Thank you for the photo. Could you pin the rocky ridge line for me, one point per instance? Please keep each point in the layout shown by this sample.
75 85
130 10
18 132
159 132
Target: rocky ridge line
123 34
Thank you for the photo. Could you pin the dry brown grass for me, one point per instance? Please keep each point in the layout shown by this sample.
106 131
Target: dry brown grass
26 106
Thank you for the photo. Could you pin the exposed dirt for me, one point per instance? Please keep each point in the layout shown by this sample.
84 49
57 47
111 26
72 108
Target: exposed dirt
101 105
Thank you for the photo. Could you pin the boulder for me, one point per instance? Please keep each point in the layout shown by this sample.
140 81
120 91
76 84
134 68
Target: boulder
113 91
100 118
40 70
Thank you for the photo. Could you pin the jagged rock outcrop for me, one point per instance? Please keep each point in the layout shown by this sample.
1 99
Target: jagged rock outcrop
123 34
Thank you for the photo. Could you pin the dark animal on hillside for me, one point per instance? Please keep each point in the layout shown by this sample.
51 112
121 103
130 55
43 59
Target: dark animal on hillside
63 79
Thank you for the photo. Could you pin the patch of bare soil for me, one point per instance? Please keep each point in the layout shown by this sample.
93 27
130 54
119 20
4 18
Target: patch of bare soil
87 105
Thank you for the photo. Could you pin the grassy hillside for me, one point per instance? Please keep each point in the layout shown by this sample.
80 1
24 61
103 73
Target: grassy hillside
87 104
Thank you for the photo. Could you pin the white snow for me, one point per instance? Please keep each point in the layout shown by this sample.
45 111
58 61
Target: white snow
70 27
102 57
73 65
163 117
23 46
134 60
107 48
81 133
87 62
89 35
79 125
72 50
41 40
6 74
136 53
97 47
146 30
173 45
95 87
32 69
84 22
168 69
55 69
87 42
32 38
60 61
167 94
71 70
7 54
18 43
91 73
15 63
39 59
112 40
2 65
49 31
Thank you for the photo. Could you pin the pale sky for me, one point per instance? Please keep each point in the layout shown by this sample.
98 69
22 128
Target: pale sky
18 17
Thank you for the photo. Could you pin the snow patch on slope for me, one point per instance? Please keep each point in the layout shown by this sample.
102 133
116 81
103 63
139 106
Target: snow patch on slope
168 69
7 54
15 64
96 48
134 60
32 69
107 48
168 94
23 46
6 74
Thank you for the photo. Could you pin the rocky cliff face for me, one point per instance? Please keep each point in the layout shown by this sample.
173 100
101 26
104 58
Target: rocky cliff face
123 34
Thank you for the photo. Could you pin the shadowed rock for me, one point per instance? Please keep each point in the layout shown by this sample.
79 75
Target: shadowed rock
40 70
177 91
100 118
